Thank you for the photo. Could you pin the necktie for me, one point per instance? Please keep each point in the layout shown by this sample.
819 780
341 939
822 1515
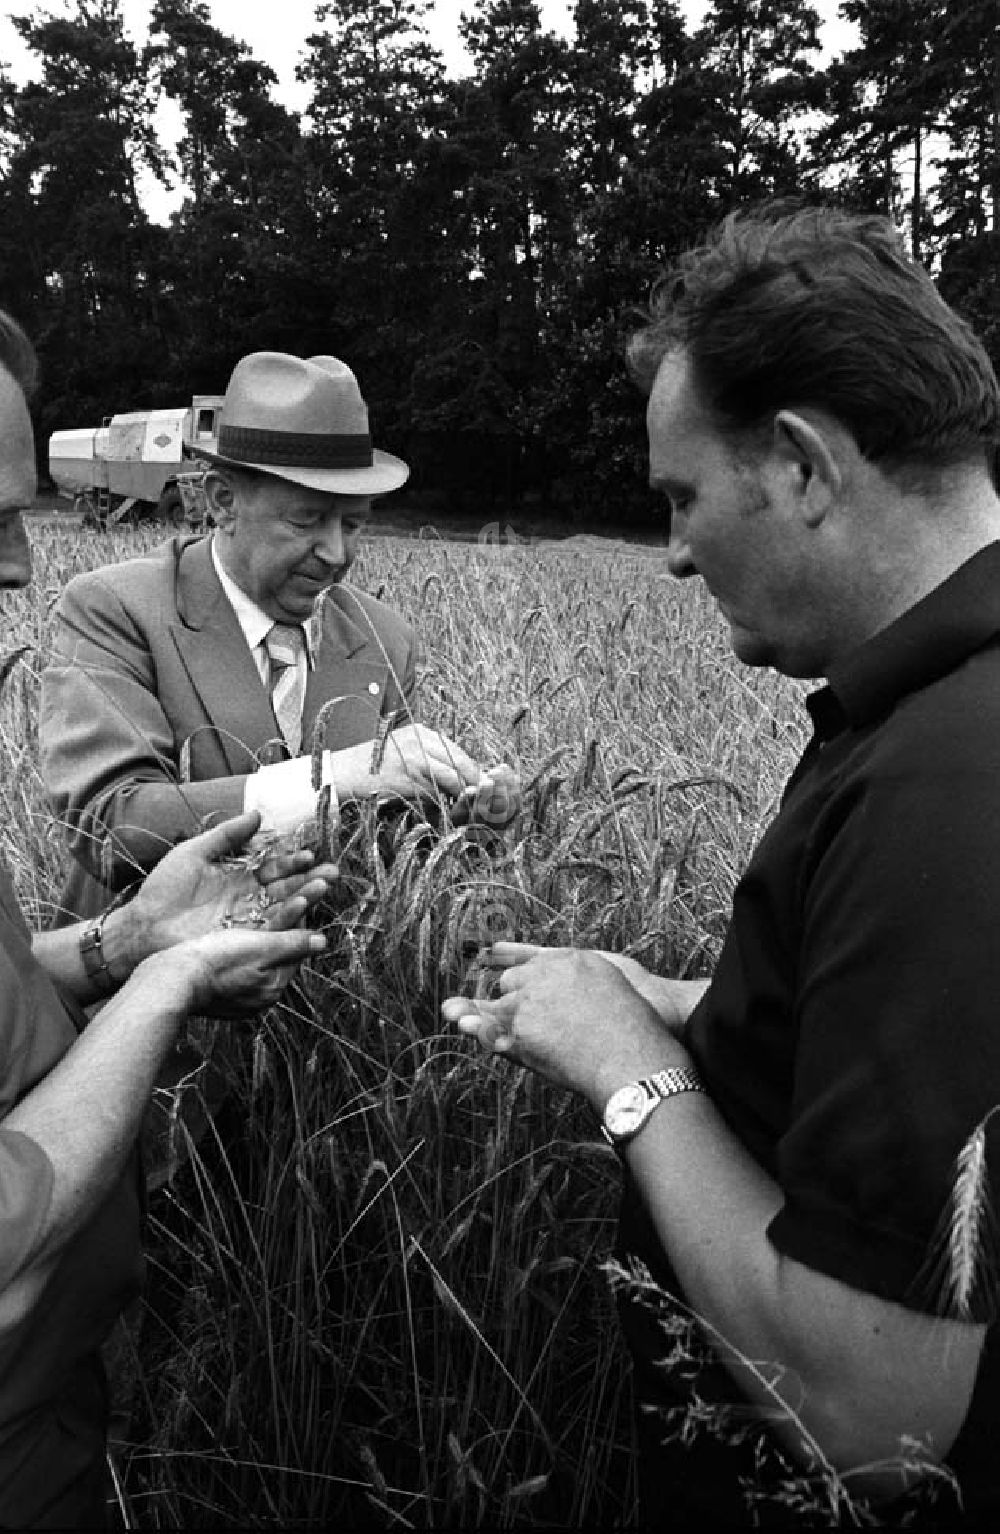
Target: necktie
285 642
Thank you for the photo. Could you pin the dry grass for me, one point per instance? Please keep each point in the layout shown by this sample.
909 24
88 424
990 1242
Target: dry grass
378 1290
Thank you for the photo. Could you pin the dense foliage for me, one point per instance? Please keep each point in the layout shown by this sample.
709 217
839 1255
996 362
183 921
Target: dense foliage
472 245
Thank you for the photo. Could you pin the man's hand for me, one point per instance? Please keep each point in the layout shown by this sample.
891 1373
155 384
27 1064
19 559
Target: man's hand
493 801
572 1016
674 1000
237 971
417 763
215 931
210 887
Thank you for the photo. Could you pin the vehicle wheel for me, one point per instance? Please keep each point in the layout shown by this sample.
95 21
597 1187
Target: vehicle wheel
84 506
171 507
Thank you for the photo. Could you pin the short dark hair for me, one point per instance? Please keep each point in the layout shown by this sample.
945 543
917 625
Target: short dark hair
17 354
782 308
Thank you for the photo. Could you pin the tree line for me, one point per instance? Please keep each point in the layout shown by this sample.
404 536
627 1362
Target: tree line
475 247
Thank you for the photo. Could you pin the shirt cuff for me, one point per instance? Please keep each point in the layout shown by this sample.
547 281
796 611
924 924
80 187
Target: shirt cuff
285 796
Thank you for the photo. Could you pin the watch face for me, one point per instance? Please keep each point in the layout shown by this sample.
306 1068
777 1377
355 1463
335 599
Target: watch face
626 1110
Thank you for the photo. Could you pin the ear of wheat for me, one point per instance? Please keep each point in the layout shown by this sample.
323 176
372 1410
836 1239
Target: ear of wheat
963 1270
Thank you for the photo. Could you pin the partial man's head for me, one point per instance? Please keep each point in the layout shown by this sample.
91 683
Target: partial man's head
293 476
797 363
18 481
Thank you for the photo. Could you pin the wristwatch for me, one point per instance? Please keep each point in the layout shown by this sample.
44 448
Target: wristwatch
92 953
628 1109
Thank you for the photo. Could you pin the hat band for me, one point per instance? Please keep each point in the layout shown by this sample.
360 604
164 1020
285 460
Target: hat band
300 449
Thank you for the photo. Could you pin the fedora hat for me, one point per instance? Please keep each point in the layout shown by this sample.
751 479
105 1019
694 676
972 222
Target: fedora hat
303 419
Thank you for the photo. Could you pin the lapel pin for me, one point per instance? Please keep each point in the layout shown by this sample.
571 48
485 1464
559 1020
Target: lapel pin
373 687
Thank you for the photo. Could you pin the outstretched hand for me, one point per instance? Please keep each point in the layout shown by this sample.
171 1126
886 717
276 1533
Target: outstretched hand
672 999
212 882
572 1016
238 971
232 920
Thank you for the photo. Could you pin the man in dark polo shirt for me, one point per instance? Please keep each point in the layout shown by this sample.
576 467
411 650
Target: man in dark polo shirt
807 1140
206 933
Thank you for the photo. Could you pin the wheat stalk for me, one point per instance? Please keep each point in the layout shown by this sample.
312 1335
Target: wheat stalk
962 1272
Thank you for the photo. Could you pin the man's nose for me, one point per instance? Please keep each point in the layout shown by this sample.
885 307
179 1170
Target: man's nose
679 561
330 545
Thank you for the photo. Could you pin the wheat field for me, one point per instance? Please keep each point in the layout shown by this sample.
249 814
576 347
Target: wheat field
377 1297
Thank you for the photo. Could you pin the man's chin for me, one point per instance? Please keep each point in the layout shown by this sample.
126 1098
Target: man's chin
753 650
296 607
748 646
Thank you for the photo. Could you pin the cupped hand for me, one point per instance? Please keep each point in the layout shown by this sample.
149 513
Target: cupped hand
212 882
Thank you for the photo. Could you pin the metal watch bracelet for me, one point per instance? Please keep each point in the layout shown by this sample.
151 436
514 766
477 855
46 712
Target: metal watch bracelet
630 1107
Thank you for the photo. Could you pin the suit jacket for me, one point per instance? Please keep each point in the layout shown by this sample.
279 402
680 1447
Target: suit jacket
153 712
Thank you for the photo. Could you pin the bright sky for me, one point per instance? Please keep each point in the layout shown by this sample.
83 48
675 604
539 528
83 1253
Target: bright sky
276 30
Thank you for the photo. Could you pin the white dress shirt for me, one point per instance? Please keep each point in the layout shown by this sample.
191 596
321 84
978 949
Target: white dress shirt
283 792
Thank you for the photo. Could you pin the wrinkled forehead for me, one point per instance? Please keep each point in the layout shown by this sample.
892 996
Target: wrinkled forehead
677 425
686 437
673 388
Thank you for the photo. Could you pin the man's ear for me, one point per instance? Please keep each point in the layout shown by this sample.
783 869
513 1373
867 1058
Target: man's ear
811 453
220 497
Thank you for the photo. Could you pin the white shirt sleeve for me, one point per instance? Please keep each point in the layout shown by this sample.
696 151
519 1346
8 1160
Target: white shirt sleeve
284 795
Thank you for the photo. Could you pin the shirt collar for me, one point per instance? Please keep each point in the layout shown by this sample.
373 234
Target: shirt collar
253 620
924 643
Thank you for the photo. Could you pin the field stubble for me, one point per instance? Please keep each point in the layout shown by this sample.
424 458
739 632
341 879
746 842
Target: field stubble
378 1298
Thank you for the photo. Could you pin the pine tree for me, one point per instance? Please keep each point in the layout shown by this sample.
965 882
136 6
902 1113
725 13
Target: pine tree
78 254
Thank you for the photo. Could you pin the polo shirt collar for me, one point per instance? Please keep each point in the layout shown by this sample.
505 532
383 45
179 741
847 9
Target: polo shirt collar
924 643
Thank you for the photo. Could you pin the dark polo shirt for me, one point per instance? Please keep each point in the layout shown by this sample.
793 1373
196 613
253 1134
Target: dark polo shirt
851 1034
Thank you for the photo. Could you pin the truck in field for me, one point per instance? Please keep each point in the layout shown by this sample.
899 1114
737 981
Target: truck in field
141 463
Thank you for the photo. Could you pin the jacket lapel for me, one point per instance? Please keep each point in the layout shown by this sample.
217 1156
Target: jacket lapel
215 655
350 674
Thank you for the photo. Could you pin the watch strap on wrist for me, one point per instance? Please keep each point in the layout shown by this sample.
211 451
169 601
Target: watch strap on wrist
658 1088
95 963
675 1079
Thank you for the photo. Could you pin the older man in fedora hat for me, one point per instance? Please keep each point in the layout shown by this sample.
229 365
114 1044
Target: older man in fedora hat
198 937
187 682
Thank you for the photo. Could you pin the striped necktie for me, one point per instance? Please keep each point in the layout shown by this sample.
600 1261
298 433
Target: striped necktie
285 643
